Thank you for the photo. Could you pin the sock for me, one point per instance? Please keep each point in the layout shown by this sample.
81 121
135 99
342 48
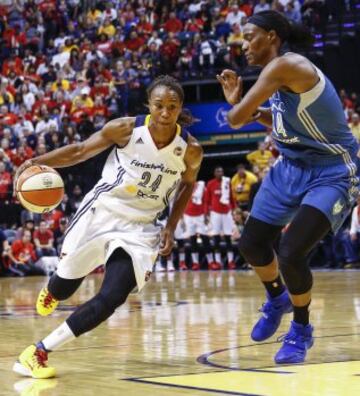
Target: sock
195 258
182 256
218 257
209 257
57 338
275 287
301 314
230 257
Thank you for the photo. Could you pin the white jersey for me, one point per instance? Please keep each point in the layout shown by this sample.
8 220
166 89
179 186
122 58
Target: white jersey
137 183
139 180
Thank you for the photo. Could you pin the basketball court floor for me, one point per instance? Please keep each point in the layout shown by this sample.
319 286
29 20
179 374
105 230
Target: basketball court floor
186 334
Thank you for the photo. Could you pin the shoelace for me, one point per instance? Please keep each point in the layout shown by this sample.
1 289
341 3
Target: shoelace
48 300
290 337
267 308
40 357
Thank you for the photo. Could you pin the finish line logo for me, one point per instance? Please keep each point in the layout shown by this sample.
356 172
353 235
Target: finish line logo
221 117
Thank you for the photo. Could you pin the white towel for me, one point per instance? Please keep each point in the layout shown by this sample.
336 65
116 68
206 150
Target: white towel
225 190
198 192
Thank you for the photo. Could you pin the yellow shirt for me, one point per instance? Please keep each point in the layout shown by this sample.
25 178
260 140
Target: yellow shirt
10 98
94 16
109 30
70 48
355 129
261 159
240 186
78 100
235 38
65 85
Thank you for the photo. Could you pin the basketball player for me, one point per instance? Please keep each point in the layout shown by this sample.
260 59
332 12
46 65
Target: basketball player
312 185
194 217
220 203
153 162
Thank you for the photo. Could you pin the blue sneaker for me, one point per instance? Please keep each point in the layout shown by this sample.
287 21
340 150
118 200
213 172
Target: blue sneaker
295 344
272 310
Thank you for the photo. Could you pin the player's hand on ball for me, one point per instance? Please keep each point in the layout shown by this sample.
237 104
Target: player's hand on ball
232 86
20 170
166 241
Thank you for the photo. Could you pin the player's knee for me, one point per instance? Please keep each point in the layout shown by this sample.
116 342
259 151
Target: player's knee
294 268
256 250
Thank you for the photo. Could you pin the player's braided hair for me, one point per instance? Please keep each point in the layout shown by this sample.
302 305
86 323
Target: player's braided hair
185 117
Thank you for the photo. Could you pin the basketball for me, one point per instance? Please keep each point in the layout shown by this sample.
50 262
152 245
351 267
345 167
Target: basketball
39 188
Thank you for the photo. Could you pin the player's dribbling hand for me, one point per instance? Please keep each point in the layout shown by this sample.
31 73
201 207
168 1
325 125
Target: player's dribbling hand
166 242
232 86
19 171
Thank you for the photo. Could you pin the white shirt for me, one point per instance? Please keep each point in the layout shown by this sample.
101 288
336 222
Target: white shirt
232 18
43 126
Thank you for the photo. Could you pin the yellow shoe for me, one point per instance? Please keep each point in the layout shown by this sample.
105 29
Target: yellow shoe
32 363
46 303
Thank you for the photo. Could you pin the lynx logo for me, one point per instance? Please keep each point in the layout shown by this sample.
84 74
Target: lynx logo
221 118
338 207
47 181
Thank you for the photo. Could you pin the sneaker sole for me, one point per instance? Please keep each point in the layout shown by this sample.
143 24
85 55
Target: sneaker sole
20 369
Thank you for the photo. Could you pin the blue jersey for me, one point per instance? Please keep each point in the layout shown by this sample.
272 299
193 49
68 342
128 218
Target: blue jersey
311 128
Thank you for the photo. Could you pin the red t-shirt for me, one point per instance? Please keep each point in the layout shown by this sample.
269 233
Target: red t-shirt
43 237
173 25
23 251
5 183
213 195
193 209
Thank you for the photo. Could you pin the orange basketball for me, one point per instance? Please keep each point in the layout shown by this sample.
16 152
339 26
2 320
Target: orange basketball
39 188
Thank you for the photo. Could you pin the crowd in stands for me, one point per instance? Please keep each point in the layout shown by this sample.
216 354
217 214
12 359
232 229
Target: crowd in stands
68 66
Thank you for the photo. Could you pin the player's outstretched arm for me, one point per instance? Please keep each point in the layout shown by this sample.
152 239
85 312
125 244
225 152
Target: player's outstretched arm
114 132
192 158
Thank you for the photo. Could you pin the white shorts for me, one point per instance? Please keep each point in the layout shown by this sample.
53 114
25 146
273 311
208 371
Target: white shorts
96 232
195 225
221 223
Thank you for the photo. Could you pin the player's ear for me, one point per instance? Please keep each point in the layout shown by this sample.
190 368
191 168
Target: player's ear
271 36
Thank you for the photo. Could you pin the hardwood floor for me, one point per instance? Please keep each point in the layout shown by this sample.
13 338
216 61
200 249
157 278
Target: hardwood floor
186 334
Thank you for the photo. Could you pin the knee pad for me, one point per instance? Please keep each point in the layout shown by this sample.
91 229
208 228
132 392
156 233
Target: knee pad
256 250
295 269
62 288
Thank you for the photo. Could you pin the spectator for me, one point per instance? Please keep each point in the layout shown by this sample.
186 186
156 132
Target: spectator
241 184
22 257
236 16
44 241
260 157
59 234
4 249
263 5
219 204
354 125
5 183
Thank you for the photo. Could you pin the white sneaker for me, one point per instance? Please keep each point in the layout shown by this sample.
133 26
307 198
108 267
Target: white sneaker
170 266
